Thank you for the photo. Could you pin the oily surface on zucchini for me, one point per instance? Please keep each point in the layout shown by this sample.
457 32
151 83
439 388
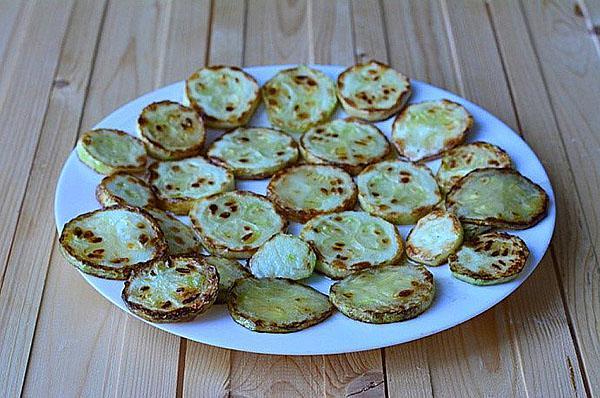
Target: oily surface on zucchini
385 294
170 130
400 192
350 241
254 152
107 151
299 98
489 259
276 305
424 130
347 143
460 161
174 289
435 237
283 256
112 242
372 90
235 224
225 95
123 189
305 191
181 183
500 198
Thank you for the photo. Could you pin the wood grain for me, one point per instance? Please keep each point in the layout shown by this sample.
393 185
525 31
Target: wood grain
109 350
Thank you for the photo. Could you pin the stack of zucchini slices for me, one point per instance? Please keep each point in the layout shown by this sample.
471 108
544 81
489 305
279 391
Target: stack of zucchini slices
350 191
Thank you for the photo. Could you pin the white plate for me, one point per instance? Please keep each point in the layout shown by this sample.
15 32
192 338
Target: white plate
455 301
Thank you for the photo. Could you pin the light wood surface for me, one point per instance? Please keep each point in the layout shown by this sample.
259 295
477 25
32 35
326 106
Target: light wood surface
64 65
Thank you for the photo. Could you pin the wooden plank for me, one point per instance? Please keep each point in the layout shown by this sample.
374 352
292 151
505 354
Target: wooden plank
543 121
369 31
206 369
107 351
491 94
27 262
276 32
20 96
330 30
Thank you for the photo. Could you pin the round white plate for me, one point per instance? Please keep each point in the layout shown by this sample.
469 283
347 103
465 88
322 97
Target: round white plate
455 301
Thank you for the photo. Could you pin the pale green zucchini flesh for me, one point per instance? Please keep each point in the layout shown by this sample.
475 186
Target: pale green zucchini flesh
276 305
107 151
384 294
435 237
283 256
229 272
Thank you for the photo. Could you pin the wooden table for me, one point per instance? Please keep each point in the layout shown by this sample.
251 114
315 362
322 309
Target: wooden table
65 64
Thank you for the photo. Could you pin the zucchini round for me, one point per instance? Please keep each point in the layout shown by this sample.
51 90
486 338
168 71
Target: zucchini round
372 91
435 237
350 241
305 191
500 198
254 152
299 98
347 143
489 259
111 243
226 96
423 131
397 191
170 130
124 189
235 224
276 305
107 151
460 161
385 294
179 184
175 289
283 256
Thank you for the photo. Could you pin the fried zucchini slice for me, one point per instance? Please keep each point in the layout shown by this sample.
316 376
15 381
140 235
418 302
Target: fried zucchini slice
226 96
179 184
500 198
489 259
423 131
385 294
107 151
305 191
283 256
347 143
181 238
372 91
111 243
397 191
170 130
435 237
463 159
350 241
229 272
298 99
235 224
176 289
124 189
255 152
275 305
470 231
